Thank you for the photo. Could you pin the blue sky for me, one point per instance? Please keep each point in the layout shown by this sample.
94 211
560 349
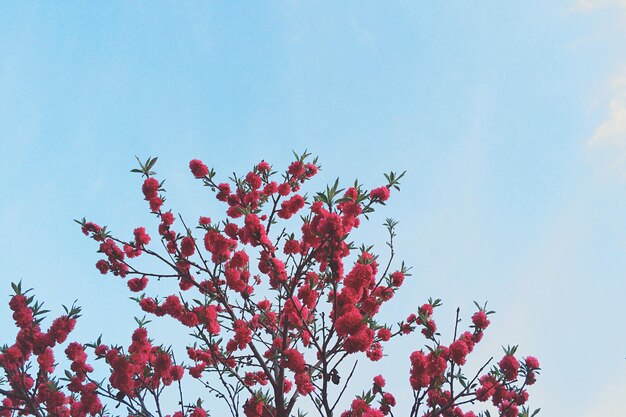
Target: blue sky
510 121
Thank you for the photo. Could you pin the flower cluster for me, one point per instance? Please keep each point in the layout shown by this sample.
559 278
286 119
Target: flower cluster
30 393
362 406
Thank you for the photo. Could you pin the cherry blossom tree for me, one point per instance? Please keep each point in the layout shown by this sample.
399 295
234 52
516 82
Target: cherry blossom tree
279 303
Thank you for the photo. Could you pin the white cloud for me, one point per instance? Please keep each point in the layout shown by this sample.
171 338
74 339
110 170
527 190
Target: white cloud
597 4
610 135
612 131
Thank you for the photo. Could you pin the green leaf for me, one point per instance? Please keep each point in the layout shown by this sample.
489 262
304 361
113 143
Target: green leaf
140 164
151 162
